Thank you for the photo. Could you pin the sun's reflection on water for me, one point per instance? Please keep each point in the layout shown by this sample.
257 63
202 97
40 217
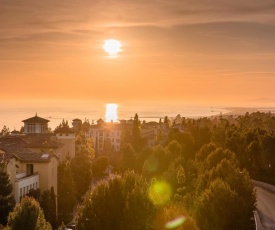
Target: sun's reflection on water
111 113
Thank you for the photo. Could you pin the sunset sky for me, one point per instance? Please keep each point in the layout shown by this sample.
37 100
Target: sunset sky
202 51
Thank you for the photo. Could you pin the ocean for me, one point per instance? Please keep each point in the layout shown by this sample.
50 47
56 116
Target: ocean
12 116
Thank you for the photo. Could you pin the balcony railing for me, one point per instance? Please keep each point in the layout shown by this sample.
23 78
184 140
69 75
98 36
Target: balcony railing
24 175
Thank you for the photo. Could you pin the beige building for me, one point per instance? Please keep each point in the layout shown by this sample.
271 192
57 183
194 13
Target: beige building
38 138
27 169
35 125
31 159
106 136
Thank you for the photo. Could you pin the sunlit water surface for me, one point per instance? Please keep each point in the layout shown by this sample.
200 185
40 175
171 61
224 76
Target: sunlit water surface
12 116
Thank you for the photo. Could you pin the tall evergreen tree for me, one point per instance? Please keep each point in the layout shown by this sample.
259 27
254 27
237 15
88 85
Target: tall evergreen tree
81 167
7 201
136 134
128 158
66 190
48 204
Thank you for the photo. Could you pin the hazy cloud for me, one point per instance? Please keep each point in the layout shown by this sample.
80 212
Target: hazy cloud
52 15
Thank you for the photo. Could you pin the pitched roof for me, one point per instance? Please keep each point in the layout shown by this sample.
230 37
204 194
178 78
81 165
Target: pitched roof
17 146
41 140
36 119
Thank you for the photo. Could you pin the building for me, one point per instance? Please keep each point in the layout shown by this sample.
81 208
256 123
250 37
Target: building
27 169
106 136
67 141
35 125
31 159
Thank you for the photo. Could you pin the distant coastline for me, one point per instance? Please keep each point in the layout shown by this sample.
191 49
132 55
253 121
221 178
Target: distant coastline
12 117
239 111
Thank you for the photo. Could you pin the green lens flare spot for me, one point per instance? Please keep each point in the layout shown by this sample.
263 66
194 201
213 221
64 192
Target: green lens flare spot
160 193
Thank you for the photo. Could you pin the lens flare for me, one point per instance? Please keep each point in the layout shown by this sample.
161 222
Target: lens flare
160 193
151 165
175 223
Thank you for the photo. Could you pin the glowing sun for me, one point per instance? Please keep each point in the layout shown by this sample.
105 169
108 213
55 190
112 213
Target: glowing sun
112 47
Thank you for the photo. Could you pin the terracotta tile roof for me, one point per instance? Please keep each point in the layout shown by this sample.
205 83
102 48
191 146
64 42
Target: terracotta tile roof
5 157
41 140
36 119
17 146
35 157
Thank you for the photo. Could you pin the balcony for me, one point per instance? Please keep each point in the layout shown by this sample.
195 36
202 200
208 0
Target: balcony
24 175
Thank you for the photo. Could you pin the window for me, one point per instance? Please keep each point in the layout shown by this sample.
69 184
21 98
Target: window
43 128
29 169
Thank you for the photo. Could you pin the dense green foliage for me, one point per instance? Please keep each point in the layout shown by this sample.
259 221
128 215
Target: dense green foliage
100 165
47 201
81 167
66 191
74 176
28 216
7 201
200 170
205 158
124 203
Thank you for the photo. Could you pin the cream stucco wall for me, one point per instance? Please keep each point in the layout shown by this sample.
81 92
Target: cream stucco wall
68 148
24 185
44 176
37 128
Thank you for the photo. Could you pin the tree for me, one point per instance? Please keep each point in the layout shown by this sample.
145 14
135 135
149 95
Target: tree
136 140
174 216
218 155
186 141
35 193
48 204
7 201
47 201
136 131
175 149
128 158
166 121
141 157
63 127
85 125
100 165
84 145
66 190
218 208
119 203
81 168
5 131
28 216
